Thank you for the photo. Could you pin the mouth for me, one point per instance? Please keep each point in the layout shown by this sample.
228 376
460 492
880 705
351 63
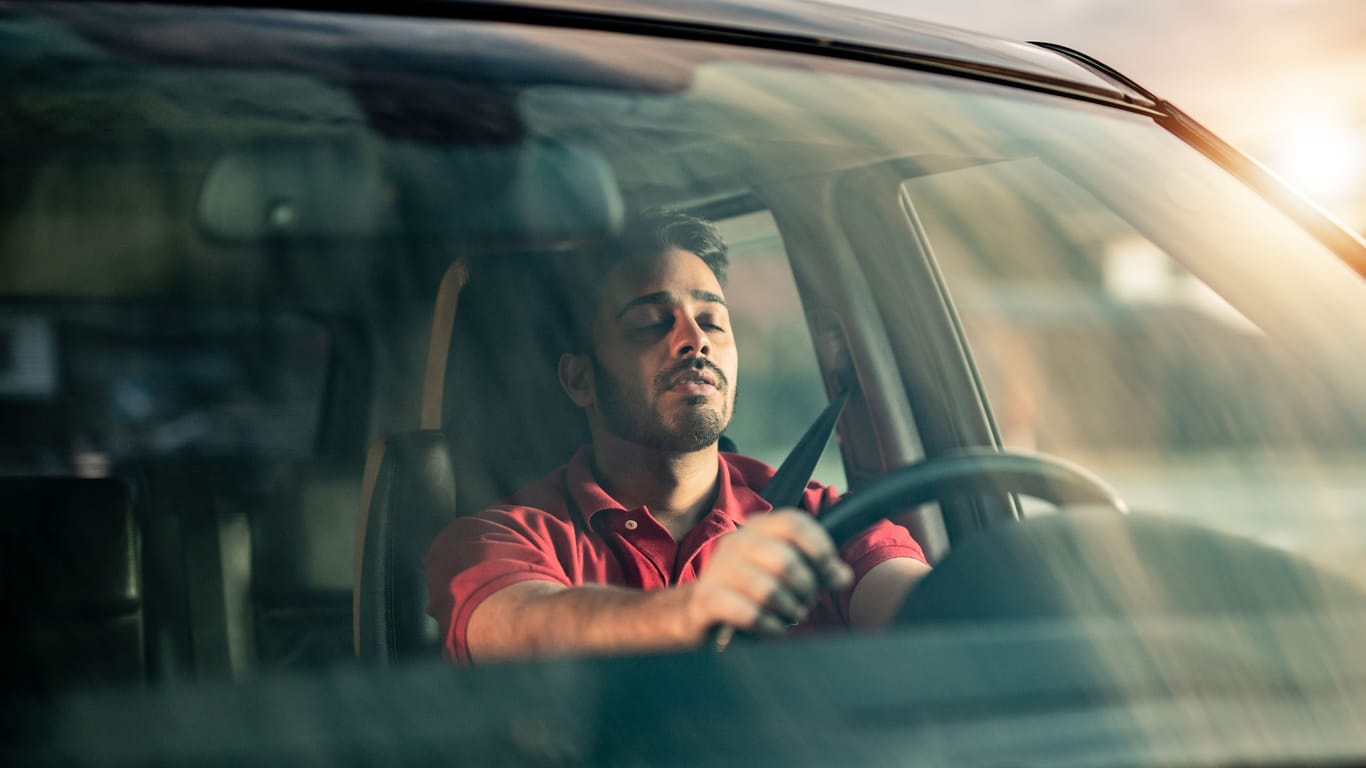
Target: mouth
695 383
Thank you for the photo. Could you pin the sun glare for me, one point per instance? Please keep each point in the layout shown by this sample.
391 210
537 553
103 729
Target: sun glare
1321 157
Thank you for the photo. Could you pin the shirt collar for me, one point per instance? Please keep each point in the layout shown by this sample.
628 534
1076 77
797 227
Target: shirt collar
734 499
584 489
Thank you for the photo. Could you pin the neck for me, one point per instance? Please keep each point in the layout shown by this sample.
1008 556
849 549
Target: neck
676 487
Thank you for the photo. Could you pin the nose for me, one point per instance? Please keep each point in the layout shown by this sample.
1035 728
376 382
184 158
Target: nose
690 339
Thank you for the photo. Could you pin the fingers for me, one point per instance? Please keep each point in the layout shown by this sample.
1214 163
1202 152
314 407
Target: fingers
766 596
737 610
764 577
749 584
789 567
803 532
774 598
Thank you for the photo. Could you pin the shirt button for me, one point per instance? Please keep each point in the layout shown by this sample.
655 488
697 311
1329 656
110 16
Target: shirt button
631 525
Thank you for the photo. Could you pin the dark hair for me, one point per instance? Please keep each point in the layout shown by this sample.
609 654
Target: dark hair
652 232
644 237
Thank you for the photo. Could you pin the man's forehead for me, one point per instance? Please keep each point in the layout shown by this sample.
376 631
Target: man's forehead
672 277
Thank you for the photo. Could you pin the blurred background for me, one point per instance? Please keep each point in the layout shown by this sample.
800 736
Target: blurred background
1281 79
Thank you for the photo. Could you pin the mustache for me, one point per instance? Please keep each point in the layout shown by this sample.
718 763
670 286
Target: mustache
666 379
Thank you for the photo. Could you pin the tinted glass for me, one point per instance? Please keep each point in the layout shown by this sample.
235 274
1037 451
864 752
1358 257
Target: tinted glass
226 231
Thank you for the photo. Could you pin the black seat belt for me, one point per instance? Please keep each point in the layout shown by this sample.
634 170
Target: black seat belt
790 481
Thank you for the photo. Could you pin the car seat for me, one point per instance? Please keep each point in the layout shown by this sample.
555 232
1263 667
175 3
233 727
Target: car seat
493 419
70 584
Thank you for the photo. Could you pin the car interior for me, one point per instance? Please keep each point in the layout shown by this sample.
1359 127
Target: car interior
276 305
213 304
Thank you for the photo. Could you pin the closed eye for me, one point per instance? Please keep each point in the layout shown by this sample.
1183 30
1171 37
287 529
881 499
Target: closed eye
657 326
713 321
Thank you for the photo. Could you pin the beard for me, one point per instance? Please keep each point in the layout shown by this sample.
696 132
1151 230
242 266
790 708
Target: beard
697 426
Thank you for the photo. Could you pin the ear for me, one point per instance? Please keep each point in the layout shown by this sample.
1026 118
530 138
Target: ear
576 378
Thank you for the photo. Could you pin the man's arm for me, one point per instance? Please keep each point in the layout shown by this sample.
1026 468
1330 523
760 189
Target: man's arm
761 578
879 594
537 618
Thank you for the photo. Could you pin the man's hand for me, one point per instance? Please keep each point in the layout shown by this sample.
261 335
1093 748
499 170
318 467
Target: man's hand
765 576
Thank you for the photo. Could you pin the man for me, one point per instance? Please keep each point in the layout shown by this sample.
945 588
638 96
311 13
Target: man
650 537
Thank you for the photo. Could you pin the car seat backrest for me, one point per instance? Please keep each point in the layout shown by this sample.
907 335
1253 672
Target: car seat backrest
301 551
507 419
493 417
70 583
408 494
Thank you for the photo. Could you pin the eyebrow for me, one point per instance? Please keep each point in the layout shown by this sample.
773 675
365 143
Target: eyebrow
666 298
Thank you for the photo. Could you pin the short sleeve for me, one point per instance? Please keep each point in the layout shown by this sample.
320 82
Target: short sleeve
878 543
476 556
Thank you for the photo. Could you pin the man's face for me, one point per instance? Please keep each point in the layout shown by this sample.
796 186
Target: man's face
665 363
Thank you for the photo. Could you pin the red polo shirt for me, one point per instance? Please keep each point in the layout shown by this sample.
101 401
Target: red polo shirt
564 528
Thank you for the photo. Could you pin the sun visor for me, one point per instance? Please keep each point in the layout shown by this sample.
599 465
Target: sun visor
539 194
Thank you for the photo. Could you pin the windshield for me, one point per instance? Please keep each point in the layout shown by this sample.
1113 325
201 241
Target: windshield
243 248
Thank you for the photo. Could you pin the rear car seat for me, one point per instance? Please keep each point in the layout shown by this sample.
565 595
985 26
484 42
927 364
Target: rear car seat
252 572
301 560
70 583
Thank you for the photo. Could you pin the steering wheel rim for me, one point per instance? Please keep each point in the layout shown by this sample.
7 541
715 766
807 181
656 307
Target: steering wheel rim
968 471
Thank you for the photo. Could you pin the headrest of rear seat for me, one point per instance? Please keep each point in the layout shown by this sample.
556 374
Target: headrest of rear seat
68 546
303 544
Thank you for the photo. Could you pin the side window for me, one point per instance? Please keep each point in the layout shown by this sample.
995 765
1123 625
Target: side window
780 391
1094 344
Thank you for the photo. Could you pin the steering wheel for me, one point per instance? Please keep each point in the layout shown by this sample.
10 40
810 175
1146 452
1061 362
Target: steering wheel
969 471
1116 566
